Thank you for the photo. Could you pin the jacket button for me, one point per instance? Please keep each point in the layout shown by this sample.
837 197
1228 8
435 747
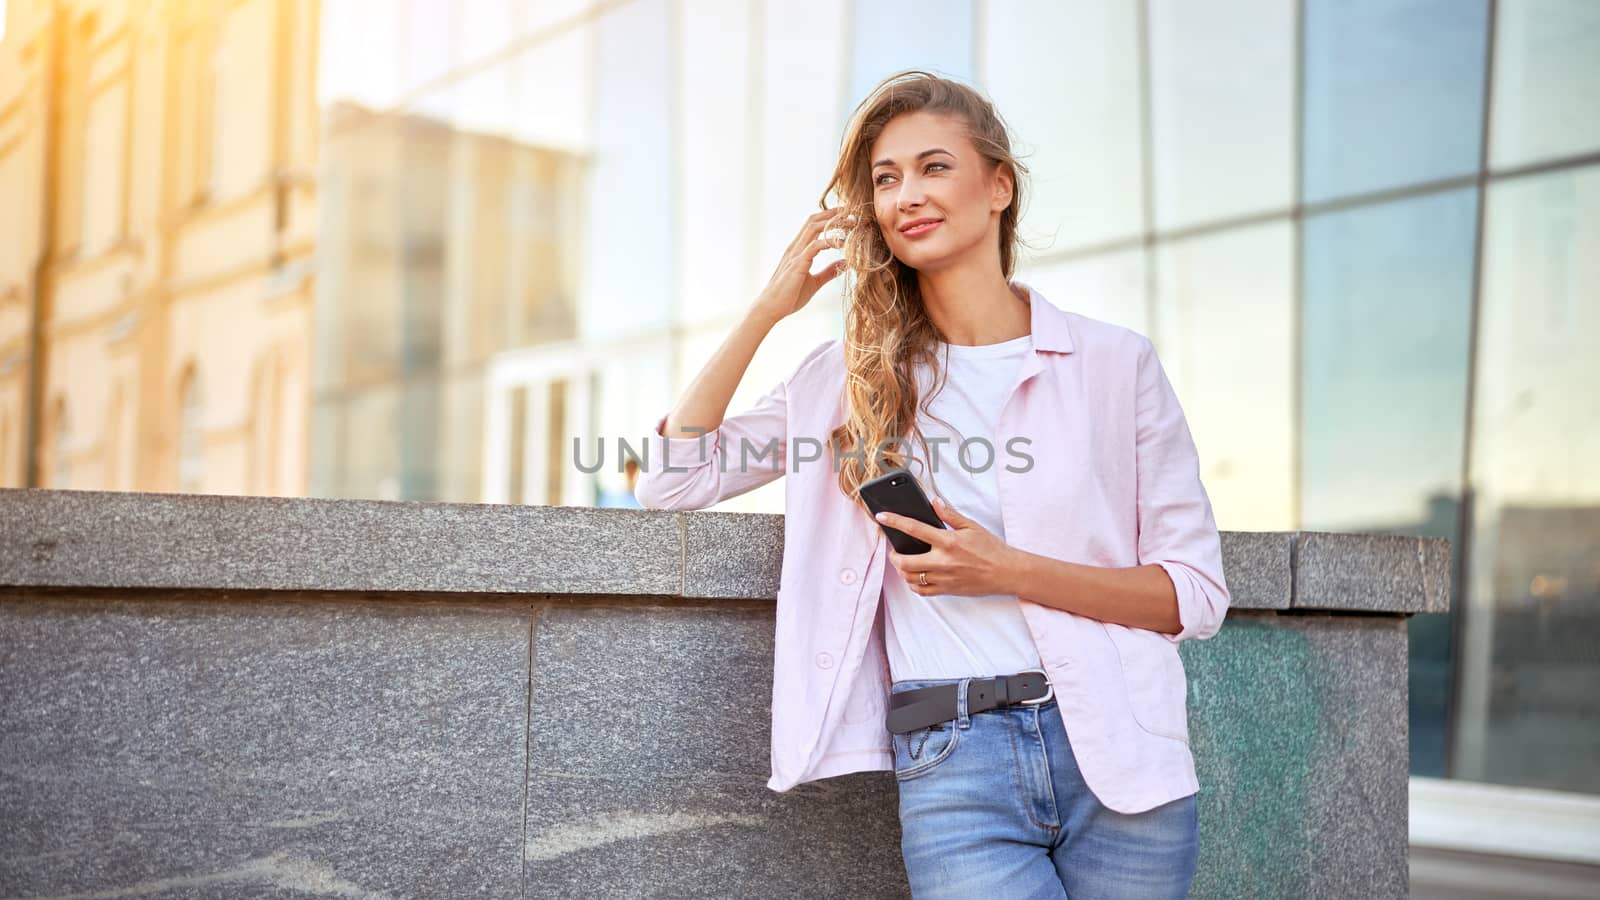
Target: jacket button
824 661
848 576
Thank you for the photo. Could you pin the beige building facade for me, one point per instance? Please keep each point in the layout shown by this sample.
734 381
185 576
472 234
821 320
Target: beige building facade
158 163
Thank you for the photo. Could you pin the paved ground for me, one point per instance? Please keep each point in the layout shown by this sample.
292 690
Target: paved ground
1452 875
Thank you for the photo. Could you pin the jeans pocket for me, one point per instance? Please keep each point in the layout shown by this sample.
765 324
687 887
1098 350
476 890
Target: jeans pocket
918 752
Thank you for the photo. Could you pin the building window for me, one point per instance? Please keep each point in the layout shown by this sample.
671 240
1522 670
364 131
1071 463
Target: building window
1224 73
75 92
1546 73
100 176
212 131
193 91
1528 712
1393 93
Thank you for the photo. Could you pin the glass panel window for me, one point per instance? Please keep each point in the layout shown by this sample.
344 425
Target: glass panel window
890 35
1224 328
1384 344
472 221
798 116
1222 108
1110 286
1066 77
719 161
1530 696
1546 81
1387 305
628 197
1393 92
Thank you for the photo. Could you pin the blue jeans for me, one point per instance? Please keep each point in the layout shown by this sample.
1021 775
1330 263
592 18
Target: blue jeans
992 806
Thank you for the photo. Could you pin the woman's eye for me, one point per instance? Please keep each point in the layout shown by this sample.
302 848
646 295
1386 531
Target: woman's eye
879 180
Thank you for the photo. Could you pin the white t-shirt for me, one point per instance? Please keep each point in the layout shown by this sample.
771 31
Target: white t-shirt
949 635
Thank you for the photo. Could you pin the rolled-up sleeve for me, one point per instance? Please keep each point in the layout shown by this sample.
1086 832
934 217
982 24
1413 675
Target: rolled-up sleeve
747 450
1177 529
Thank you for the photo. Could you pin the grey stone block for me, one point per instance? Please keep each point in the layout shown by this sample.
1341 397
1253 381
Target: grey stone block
116 539
1435 575
1256 565
1368 572
1302 764
732 555
240 736
190 541
649 760
175 748
714 838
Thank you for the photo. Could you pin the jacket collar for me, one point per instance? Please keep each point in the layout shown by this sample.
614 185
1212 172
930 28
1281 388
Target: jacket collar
1047 321
1050 335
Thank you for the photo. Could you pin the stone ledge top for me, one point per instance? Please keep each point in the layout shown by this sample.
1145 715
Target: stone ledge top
114 539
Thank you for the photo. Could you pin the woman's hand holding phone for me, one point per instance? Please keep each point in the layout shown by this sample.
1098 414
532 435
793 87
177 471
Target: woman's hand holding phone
793 284
963 558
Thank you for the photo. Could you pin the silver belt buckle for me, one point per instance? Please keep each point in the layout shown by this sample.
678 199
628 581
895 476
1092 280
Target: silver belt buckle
1050 689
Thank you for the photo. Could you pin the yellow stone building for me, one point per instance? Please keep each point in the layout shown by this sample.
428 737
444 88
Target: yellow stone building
158 163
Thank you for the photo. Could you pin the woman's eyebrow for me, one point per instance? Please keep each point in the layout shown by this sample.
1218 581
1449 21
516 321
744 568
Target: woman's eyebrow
889 162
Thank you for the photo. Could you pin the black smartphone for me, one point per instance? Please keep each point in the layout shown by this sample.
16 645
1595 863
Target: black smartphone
899 492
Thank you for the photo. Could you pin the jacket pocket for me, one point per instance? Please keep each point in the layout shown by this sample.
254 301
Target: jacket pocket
1157 688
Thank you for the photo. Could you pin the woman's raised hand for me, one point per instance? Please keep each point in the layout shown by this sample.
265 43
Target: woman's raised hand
793 284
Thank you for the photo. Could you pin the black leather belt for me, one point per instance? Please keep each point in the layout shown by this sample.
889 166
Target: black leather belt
924 706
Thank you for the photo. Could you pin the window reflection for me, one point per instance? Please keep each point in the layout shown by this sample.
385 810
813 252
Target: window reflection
1066 77
1224 328
442 248
1387 305
1386 312
890 35
1222 108
720 159
1530 704
1110 286
1546 81
1393 92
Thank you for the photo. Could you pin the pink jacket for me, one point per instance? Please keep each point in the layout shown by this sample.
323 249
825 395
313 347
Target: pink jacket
1115 481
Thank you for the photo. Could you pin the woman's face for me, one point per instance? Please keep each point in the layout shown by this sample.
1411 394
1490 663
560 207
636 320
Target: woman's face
925 167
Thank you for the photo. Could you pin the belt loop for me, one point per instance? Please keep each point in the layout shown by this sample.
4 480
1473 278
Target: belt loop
963 721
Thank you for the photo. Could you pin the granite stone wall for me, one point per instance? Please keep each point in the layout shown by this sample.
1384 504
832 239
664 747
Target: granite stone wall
206 696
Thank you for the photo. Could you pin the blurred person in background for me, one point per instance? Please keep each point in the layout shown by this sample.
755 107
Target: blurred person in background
624 498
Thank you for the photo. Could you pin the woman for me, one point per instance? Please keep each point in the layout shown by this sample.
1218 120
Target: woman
1021 678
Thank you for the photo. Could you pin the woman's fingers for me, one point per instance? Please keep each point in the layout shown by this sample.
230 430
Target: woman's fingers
814 225
914 527
793 284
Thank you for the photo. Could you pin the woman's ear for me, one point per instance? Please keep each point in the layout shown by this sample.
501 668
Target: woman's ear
1003 187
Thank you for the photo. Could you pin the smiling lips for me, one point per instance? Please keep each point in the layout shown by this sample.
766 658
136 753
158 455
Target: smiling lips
920 227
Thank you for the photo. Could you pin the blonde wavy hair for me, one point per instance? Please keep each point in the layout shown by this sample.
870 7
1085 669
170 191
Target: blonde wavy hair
887 332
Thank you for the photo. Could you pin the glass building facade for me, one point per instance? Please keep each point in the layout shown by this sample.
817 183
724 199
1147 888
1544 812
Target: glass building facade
1364 234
